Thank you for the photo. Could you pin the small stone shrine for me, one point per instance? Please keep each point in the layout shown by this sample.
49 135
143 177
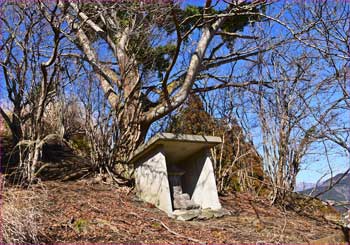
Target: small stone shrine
174 172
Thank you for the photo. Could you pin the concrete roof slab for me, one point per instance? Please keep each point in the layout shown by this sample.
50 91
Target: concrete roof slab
176 146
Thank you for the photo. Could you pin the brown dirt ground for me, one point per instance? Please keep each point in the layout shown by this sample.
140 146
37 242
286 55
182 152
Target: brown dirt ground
84 212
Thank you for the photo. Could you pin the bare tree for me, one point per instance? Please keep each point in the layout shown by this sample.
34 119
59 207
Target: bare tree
30 67
159 52
101 130
333 45
237 163
303 110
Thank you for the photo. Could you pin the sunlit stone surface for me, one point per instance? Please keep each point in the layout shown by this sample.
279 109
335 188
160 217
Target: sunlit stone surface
174 172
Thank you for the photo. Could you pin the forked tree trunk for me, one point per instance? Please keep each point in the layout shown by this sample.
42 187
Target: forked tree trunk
133 118
132 132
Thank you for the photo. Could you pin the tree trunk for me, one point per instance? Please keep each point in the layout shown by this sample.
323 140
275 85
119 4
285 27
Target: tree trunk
132 130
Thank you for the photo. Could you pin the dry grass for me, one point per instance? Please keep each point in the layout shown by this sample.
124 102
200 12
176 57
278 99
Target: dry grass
20 214
86 212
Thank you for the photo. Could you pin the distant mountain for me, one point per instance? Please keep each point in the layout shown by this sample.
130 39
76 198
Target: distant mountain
301 186
339 192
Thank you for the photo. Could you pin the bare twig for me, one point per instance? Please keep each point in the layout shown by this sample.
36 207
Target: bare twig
177 234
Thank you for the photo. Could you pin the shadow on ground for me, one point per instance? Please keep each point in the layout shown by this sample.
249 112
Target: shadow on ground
58 162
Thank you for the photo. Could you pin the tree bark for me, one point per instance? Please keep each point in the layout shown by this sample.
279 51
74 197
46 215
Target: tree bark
133 115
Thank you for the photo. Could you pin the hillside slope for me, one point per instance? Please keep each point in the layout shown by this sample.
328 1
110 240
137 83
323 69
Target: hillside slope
86 212
78 209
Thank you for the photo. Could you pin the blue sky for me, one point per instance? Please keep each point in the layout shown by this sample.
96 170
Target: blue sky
315 165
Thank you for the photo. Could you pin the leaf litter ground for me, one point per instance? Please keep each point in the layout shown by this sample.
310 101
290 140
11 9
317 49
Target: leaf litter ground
86 212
